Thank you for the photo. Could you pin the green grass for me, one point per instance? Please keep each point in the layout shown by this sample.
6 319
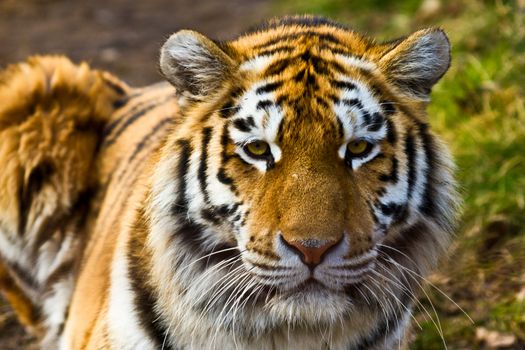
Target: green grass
479 109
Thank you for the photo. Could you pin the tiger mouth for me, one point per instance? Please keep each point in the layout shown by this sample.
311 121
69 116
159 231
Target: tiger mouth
335 278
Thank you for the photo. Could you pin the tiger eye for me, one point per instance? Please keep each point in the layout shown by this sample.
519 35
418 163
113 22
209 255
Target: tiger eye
257 149
357 147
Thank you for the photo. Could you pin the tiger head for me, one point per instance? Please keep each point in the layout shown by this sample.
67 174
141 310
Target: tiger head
303 162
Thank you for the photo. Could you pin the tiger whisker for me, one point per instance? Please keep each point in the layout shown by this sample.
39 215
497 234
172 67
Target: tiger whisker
383 306
182 269
221 318
389 290
217 293
240 305
436 322
428 281
216 268
221 289
419 305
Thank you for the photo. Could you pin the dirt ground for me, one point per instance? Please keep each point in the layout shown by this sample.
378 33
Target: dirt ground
121 36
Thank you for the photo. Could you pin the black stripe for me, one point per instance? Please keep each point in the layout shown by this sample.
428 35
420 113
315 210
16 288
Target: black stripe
221 174
340 127
388 108
391 209
210 215
136 108
411 159
320 66
203 165
390 132
354 102
300 75
190 234
337 50
323 103
366 116
25 277
120 103
59 273
264 104
140 145
344 85
242 125
223 178
377 121
145 298
284 98
29 190
310 33
268 87
251 121
393 176
277 67
280 131
228 109
128 122
181 204
338 67
217 214
76 213
427 206
273 51
115 87
335 99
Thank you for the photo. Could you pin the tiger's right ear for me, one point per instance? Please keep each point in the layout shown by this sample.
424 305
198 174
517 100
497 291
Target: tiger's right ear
194 64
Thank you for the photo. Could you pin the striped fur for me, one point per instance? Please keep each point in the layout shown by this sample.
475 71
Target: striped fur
139 219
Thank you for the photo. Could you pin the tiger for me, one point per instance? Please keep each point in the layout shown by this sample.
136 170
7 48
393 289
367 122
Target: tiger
280 190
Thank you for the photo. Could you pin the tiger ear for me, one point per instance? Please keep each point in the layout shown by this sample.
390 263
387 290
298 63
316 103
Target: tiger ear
416 63
194 64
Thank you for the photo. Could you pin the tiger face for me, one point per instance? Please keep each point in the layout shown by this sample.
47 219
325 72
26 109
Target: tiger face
305 174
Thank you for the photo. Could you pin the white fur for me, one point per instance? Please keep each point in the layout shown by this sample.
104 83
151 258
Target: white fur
55 306
421 167
266 126
357 62
351 118
123 324
256 64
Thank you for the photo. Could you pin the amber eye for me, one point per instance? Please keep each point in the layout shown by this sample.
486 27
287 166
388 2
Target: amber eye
358 148
257 149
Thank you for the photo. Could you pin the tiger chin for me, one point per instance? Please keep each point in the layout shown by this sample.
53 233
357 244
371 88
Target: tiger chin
282 191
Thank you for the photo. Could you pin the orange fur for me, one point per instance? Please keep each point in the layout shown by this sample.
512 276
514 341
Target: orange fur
121 186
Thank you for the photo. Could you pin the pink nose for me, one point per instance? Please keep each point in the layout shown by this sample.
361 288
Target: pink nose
311 251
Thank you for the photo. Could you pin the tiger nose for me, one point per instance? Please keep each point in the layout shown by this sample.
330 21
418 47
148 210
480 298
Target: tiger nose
311 251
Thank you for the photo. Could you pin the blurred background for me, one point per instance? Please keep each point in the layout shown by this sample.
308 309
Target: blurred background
478 108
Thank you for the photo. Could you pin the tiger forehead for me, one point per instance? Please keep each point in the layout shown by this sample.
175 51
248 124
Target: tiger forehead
286 36
317 80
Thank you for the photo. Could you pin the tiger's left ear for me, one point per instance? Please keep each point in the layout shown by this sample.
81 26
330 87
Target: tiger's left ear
194 64
416 63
